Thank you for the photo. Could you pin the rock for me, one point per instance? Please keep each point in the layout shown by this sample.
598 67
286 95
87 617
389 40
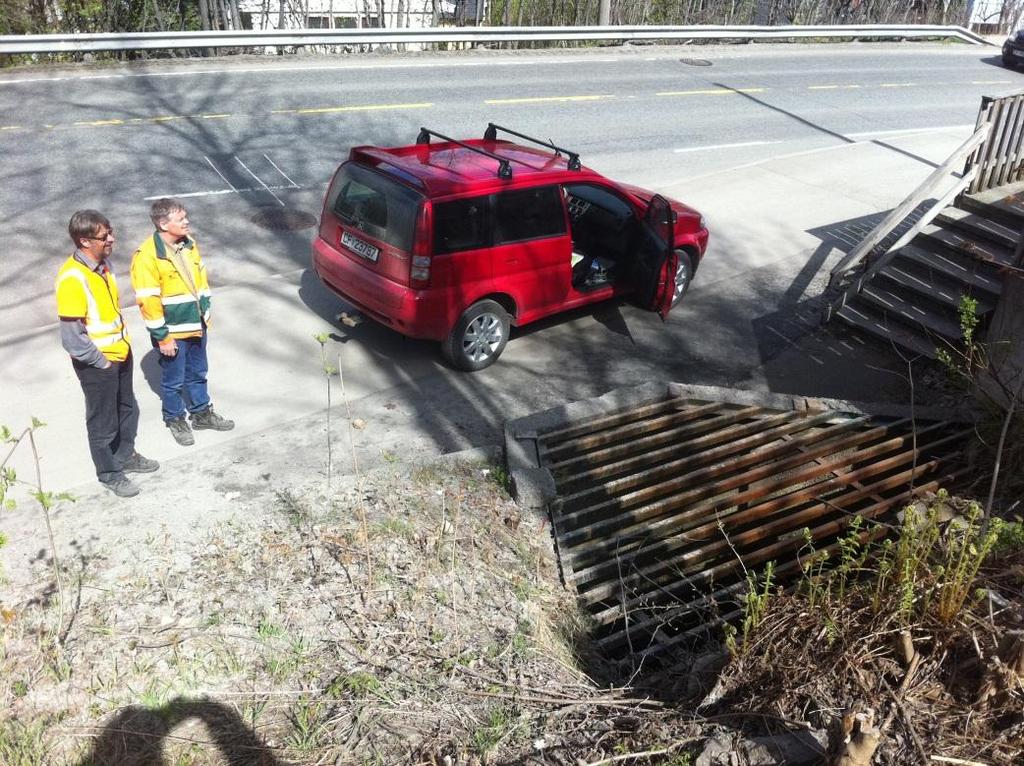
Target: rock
702 680
792 749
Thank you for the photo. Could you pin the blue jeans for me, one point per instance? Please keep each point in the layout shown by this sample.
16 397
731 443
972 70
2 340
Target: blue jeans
184 373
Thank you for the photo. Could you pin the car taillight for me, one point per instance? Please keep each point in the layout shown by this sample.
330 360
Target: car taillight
419 269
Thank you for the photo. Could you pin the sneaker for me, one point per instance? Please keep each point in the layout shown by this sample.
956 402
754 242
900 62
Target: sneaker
121 487
181 431
210 419
139 464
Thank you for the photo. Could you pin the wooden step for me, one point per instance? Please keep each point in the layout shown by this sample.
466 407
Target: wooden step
927 284
955 241
886 329
978 226
942 323
1000 204
960 268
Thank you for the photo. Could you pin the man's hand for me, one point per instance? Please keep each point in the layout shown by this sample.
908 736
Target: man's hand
168 347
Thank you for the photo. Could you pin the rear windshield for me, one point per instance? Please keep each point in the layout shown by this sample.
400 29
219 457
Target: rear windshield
376 204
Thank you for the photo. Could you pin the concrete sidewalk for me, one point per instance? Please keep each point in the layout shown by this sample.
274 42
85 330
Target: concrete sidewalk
266 370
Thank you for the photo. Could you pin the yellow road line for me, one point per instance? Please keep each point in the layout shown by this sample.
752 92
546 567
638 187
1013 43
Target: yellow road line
99 123
366 108
544 99
10 127
711 92
897 85
832 87
213 116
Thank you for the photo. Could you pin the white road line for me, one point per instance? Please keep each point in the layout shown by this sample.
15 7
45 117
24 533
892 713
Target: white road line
806 152
906 131
279 201
219 173
724 146
216 192
286 178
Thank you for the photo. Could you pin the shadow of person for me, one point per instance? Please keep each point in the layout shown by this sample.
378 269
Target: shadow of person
149 364
135 736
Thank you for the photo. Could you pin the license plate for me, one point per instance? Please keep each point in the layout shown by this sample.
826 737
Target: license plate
357 246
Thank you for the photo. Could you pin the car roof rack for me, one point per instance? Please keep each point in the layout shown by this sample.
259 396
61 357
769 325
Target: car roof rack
492 133
504 166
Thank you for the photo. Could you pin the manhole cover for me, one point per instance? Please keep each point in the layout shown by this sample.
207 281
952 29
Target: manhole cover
282 219
695 62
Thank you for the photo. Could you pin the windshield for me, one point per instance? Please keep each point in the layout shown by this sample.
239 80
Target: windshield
375 204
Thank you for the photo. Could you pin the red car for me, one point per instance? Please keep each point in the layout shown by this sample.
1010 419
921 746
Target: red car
456 241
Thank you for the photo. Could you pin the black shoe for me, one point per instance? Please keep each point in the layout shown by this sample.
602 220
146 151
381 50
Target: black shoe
139 464
181 431
121 487
211 420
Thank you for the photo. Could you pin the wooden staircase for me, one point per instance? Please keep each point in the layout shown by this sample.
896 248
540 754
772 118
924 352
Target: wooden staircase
967 236
913 300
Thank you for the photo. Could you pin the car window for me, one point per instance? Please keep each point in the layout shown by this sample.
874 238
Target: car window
602 198
460 225
528 214
371 202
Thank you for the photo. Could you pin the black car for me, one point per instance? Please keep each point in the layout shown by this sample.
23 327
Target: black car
1013 50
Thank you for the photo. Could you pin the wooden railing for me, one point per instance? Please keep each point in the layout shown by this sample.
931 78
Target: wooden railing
932 184
999 159
992 156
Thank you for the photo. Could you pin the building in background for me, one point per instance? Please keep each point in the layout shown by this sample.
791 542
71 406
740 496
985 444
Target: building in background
359 14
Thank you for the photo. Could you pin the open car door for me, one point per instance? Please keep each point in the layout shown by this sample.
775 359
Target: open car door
657 264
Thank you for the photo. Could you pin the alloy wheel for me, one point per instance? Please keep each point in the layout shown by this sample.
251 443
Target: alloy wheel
482 338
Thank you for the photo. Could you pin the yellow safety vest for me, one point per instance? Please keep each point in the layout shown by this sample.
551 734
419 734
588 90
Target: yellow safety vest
92 296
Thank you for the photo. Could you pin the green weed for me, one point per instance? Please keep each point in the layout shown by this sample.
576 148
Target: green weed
23 744
499 724
266 629
358 684
308 726
755 606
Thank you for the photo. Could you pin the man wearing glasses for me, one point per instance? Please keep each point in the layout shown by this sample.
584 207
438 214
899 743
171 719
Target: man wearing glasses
173 294
92 331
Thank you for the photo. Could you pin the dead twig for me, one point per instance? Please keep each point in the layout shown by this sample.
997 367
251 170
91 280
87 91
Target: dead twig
646 753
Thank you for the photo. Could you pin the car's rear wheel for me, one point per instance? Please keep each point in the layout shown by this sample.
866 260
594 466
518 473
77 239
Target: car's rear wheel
684 275
478 338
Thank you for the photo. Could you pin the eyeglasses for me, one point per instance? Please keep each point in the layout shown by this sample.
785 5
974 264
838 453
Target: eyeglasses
104 238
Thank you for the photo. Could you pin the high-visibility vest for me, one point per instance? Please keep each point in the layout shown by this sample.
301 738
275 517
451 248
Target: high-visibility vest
92 296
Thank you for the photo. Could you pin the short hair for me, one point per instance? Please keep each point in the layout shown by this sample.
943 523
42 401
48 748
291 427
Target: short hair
162 209
86 223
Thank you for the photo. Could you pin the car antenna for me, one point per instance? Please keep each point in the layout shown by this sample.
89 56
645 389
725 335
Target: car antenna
574 158
504 167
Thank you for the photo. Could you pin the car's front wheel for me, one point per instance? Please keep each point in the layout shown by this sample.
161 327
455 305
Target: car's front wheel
684 275
478 338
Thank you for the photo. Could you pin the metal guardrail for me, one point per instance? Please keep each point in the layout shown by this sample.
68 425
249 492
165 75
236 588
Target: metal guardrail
126 41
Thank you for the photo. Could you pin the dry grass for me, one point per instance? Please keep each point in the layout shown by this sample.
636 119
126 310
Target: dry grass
265 641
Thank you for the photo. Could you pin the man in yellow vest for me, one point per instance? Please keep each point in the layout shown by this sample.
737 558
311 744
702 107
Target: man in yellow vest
92 331
173 294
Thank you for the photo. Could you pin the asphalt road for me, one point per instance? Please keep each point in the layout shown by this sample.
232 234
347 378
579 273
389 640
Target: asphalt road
112 138
846 130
